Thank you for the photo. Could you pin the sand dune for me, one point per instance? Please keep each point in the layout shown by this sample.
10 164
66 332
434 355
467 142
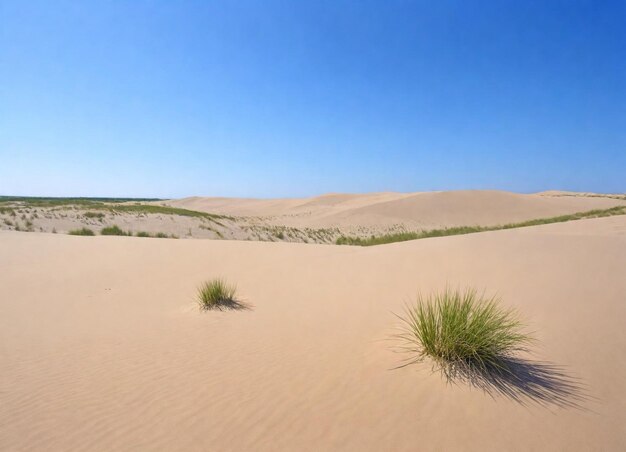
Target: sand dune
321 219
102 348
412 210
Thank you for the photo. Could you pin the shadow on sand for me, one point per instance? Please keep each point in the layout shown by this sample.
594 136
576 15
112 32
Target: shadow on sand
233 305
523 381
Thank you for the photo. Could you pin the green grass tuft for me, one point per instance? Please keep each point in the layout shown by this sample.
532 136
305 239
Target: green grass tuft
113 230
82 231
461 332
217 294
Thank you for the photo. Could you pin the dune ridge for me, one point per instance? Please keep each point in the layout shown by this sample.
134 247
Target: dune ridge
321 219
411 210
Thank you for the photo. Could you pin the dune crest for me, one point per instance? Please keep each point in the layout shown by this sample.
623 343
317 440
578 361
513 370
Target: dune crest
409 210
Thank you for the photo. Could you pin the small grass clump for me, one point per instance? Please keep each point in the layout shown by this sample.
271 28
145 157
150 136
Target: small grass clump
113 230
217 294
158 235
81 231
96 215
461 332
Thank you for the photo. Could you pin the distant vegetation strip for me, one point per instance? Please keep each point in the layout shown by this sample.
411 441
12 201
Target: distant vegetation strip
165 210
592 195
108 204
405 236
37 201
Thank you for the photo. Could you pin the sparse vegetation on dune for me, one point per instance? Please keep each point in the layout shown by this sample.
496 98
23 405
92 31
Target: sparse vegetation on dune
415 235
137 215
113 205
218 294
461 332
165 210
97 215
590 195
81 231
158 235
209 228
113 230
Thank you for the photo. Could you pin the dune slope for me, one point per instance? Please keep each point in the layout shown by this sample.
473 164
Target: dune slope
102 347
427 210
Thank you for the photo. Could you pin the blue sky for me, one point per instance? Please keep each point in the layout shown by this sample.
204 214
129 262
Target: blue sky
280 98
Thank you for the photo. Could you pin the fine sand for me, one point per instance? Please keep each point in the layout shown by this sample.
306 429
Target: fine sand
103 348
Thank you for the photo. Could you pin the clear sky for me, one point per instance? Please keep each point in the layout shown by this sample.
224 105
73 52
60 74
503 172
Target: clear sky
292 98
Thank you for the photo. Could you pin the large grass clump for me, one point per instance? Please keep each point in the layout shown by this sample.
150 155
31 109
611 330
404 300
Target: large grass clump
462 332
217 294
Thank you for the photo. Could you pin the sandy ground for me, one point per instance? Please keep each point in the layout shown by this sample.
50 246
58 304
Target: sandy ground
102 347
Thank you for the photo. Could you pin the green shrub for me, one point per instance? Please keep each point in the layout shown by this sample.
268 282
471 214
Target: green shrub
217 294
82 231
143 234
113 230
461 332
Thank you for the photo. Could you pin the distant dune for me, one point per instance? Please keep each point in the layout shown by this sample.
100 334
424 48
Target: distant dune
103 348
321 219
411 210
